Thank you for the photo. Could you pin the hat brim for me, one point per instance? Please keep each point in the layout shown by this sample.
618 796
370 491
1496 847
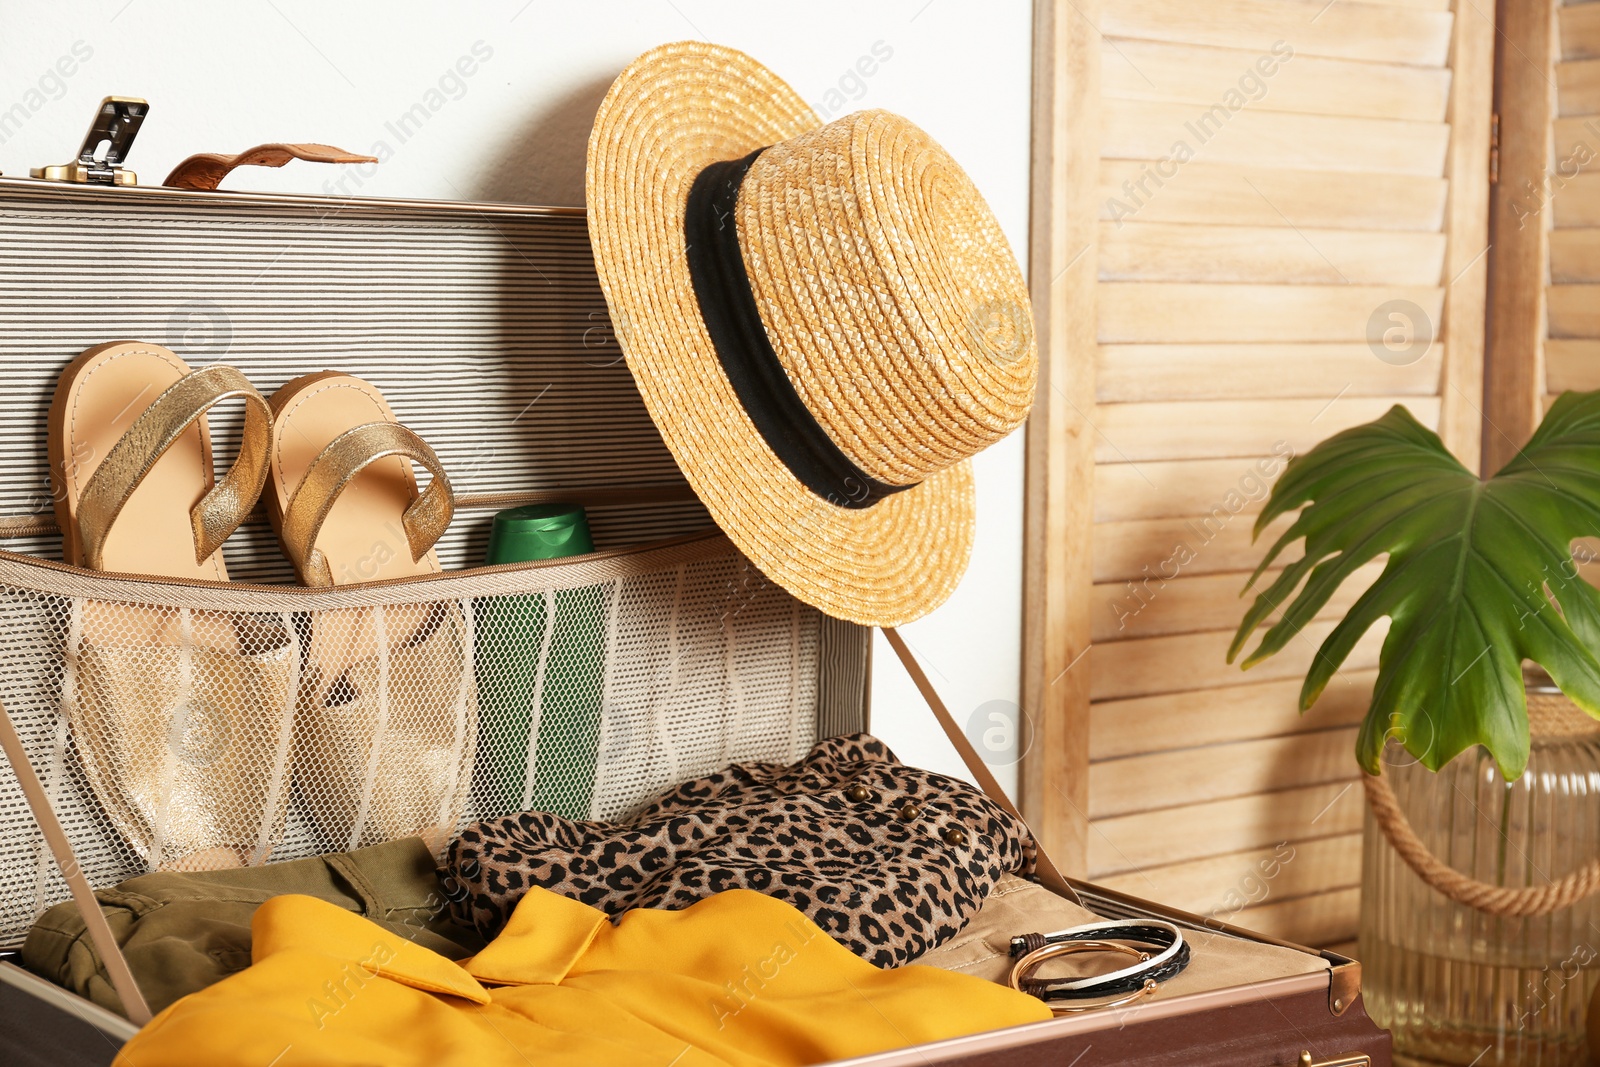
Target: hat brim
675 110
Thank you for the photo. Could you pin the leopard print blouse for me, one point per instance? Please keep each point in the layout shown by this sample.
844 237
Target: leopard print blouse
888 859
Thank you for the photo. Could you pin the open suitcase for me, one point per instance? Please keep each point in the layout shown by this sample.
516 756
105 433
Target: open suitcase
486 325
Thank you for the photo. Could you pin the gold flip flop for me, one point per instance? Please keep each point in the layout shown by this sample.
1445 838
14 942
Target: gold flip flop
179 715
388 721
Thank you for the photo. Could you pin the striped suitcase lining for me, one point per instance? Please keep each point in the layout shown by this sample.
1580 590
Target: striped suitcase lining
485 329
483 324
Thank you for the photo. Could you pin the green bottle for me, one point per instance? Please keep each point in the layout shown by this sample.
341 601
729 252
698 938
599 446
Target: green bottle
514 633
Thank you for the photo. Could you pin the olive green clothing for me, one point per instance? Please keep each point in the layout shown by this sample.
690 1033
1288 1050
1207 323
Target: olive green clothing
183 931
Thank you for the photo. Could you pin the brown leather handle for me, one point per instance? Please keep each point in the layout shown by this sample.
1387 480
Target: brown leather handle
206 170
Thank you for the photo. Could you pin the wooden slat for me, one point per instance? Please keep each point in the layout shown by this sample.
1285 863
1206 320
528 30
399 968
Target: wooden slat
1576 203
1053 778
1177 488
1370 32
1472 54
1185 312
1513 375
1580 32
1575 255
1151 606
1578 87
1587 551
1316 920
1223 886
1171 252
1156 838
1215 543
1187 776
1573 310
1186 662
1229 713
1265 196
1575 137
1140 129
1209 428
1214 372
1183 73
1571 365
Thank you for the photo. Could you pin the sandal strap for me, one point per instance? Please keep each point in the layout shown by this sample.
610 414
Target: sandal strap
225 505
346 456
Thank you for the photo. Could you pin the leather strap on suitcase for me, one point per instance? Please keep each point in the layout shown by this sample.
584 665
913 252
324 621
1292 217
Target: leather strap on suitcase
105 942
1049 875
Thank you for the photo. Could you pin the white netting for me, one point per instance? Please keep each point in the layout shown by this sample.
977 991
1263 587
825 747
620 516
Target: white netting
181 727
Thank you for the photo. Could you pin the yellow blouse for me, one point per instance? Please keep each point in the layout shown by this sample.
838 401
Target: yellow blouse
736 979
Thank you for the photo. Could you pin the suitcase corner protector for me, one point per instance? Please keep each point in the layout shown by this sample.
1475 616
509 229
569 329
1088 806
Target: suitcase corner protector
1344 983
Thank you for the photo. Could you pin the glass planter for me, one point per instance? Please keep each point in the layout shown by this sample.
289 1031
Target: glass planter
1459 986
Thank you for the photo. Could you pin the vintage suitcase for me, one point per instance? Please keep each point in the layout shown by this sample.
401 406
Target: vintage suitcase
487 330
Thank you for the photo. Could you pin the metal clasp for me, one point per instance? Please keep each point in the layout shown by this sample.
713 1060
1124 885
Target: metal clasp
105 146
1360 1059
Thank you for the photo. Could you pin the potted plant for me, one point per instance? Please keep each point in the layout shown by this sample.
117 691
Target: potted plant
1478 880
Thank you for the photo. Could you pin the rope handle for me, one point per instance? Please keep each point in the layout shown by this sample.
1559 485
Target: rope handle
105 942
1513 902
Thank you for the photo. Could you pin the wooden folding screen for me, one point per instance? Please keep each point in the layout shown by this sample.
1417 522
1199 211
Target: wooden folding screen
1256 222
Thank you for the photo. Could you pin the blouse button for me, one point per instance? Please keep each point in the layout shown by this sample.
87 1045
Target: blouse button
954 835
858 793
908 812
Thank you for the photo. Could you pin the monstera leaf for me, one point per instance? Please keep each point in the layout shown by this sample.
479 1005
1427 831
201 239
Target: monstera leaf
1480 577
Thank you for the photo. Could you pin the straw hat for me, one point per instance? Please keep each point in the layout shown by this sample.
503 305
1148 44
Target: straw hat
825 322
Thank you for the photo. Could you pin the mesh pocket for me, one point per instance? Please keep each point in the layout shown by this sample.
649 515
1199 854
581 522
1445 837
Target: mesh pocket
186 726
181 722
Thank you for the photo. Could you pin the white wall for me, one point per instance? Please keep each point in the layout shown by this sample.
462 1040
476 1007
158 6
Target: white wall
222 77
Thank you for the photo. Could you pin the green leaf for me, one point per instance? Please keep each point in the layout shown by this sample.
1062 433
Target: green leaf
1479 578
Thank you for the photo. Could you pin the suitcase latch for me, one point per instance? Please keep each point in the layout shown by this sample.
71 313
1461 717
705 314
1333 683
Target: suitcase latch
1360 1059
105 146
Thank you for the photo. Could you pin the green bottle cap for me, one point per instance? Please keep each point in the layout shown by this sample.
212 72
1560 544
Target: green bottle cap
539 531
